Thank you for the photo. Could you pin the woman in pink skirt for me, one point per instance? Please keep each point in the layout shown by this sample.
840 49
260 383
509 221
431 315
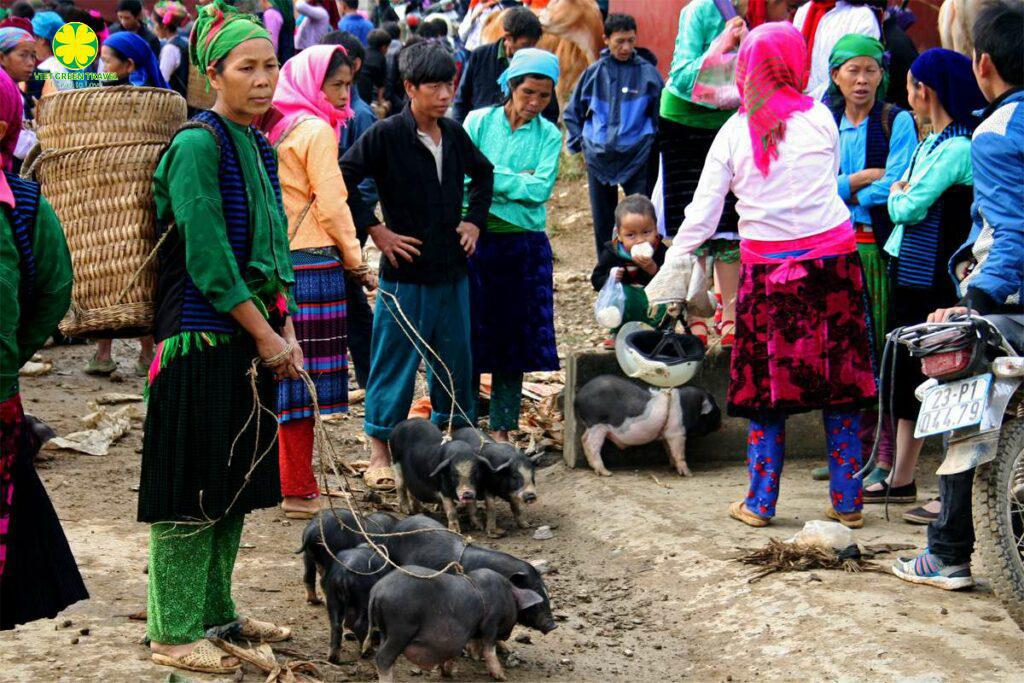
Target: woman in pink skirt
801 325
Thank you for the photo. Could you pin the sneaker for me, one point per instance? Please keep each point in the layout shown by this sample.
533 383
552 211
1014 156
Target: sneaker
920 515
897 494
101 368
932 571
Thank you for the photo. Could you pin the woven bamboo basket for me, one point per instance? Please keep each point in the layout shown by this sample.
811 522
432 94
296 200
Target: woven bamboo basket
98 178
197 96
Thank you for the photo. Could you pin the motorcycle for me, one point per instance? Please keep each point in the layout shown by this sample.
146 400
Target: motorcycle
973 398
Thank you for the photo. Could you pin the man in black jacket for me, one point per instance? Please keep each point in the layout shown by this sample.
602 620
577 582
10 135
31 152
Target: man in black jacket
419 160
129 18
478 86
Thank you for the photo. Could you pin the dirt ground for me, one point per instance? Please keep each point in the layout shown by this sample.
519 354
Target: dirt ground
644 582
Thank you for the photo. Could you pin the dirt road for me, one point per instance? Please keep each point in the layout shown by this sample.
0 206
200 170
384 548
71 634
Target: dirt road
643 582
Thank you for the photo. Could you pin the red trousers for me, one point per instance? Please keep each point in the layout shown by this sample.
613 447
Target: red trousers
295 455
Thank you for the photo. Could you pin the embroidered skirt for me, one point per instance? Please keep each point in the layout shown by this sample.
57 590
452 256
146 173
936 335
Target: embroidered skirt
38 574
683 151
320 327
208 448
512 303
804 344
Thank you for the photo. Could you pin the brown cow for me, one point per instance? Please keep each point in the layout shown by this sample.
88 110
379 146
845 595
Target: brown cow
573 31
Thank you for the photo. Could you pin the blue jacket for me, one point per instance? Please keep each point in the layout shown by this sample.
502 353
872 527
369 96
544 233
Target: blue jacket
996 242
612 116
361 122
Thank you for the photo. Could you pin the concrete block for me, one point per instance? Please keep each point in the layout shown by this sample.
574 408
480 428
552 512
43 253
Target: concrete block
804 434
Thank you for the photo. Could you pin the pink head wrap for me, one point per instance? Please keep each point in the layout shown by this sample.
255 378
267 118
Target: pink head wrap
299 92
10 113
771 74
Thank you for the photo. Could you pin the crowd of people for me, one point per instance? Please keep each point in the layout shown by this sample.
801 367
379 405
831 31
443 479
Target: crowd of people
836 184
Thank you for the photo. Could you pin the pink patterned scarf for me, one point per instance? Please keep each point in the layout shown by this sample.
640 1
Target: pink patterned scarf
771 74
299 92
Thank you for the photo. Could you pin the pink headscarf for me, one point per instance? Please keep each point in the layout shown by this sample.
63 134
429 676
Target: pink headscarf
771 74
10 113
299 92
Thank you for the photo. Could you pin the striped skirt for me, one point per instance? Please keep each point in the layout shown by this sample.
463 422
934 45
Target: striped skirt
320 328
683 151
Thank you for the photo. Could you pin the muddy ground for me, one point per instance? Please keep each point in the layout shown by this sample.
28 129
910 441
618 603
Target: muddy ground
644 581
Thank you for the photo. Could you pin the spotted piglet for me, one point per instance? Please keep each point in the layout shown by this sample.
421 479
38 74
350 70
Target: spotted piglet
629 415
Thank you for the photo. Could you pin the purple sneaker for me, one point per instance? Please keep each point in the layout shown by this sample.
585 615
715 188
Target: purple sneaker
930 570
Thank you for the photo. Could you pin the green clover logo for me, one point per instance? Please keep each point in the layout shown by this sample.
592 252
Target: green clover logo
75 45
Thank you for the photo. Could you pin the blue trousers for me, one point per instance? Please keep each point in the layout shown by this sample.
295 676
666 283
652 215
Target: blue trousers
440 313
766 447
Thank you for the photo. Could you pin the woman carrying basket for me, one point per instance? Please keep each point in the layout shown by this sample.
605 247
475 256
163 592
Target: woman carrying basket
128 57
311 103
224 332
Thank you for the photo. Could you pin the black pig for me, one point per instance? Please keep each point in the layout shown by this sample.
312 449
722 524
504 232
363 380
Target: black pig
340 532
347 585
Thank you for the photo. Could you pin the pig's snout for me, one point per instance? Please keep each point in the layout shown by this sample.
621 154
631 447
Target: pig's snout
529 497
548 626
466 495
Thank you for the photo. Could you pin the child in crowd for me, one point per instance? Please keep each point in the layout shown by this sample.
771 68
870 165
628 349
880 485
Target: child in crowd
612 118
635 253
425 243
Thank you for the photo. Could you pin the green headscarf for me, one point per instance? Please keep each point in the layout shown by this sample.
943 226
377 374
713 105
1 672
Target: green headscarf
218 29
855 45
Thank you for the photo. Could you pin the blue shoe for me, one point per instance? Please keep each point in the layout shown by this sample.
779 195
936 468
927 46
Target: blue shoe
931 571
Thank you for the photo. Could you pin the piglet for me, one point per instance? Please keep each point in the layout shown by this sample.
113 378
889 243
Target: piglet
510 475
347 585
629 415
432 620
429 470
330 532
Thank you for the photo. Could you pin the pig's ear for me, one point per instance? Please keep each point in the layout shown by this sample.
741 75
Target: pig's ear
444 463
526 598
491 467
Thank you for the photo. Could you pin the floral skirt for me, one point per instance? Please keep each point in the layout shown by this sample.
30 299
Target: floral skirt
804 344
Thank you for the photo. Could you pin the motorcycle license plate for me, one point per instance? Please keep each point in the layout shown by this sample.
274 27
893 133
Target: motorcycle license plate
953 405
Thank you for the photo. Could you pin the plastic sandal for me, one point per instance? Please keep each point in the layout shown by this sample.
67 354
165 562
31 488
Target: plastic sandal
851 520
728 339
263 631
374 477
100 368
699 329
738 510
205 658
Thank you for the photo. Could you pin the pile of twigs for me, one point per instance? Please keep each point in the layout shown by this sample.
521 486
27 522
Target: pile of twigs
779 556
263 658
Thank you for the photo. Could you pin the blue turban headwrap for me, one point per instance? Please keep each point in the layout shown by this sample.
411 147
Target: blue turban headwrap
46 24
529 61
147 69
949 74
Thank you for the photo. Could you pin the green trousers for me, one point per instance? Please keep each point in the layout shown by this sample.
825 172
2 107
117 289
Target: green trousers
506 400
190 578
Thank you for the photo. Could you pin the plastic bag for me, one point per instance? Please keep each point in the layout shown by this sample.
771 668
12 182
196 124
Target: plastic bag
700 303
826 535
611 302
715 84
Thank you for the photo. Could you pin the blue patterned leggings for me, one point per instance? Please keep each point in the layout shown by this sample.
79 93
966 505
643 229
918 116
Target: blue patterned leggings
766 447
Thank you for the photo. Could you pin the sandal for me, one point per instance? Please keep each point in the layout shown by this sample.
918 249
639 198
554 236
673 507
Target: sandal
699 329
897 494
738 510
851 520
204 658
263 631
379 478
100 368
728 339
